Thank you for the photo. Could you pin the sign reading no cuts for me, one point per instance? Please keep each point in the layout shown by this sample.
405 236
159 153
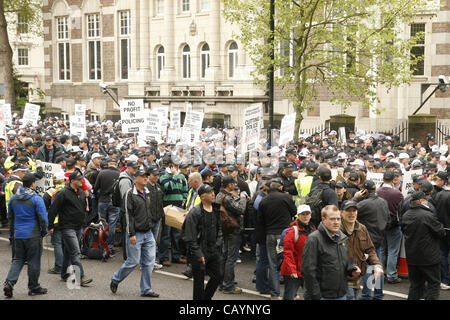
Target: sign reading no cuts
132 116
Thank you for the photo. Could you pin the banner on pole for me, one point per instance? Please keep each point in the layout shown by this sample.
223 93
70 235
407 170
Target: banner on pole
287 128
132 115
50 169
31 114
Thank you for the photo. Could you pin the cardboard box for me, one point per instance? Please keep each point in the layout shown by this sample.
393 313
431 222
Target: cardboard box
174 216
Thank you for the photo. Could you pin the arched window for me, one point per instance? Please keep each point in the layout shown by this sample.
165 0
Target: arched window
232 59
186 62
205 59
160 60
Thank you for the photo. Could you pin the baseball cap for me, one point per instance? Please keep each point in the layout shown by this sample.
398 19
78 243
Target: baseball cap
353 176
425 186
349 204
442 175
141 173
288 166
388 175
133 164
153 170
76 175
204 188
227 180
207 173
19 167
232 168
325 174
368 184
311 166
96 155
403 155
418 195
59 175
358 162
303 208
291 151
342 156
340 184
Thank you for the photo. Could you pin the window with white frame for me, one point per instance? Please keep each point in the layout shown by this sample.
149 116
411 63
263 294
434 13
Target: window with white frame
204 59
22 56
186 62
63 47
232 59
159 7
22 24
125 46
418 50
94 47
160 57
185 5
205 5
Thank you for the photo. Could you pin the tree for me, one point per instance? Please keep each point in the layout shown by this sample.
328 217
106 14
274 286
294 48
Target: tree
348 46
10 10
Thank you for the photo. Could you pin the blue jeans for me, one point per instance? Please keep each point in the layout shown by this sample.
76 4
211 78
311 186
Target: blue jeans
262 268
29 250
445 248
341 298
155 230
231 249
353 294
143 253
366 293
72 252
111 215
291 286
169 238
391 248
58 249
274 276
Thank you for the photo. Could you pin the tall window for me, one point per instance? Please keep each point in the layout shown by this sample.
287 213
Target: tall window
63 48
232 59
205 59
159 7
419 49
22 55
186 62
125 46
185 5
160 60
206 5
22 24
94 47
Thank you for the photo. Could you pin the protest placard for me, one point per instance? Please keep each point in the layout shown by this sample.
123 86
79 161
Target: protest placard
343 136
7 116
407 183
164 118
377 178
152 130
175 119
31 114
287 129
77 126
50 169
251 127
132 116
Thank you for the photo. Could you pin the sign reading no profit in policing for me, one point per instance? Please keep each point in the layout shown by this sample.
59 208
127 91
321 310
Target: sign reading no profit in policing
132 116
50 169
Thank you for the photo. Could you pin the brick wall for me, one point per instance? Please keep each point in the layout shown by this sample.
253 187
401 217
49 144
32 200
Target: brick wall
443 48
441 113
441 27
77 62
108 25
438 70
108 61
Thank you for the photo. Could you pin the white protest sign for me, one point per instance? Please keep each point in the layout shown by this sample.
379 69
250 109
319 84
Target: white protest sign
7 116
343 136
164 118
251 127
334 174
80 111
173 135
194 121
175 119
152 130
77 126
2 124
377 178
132 115
50 169
407 183
287 129
31 114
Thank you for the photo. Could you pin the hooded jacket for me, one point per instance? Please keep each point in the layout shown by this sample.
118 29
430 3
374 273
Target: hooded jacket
326 265
70 207
138 214
28 216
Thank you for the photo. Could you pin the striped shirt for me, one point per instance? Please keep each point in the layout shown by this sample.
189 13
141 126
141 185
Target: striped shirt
175 188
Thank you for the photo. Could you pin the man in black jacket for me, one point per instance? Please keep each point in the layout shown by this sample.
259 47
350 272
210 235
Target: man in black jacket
275 214
325 261
70 207
141 245
442 202
422 231
203 236
329 196
373 213
102 190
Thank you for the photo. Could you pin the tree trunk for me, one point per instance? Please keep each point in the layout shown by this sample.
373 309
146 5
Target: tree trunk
6 54
298 121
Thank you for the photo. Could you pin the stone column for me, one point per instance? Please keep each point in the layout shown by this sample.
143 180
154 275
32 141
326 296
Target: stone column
215 44
144 39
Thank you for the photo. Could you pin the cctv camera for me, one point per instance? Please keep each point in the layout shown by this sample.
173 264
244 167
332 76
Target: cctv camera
442 80
103 85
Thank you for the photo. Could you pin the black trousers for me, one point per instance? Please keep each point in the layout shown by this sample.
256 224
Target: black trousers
212 268
418 275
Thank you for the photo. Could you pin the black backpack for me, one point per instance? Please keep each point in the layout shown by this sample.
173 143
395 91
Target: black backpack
116 198
314 201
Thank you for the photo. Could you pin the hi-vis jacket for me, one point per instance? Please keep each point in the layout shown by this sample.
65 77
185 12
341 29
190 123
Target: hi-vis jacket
303 186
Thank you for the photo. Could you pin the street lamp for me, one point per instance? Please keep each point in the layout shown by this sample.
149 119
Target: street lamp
105 90
442 85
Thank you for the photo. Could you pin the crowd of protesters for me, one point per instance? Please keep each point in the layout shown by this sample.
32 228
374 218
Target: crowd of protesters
306 210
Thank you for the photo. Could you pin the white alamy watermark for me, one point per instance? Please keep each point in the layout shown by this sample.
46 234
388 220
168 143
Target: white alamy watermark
74 279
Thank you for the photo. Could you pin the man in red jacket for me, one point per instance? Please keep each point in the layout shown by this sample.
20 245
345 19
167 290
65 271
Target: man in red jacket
293 244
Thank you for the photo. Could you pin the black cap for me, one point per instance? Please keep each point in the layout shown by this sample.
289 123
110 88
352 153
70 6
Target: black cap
232 168
368 184
133 164
311 166
76 175
204 188
340 184
388 176
349 204
418 195
207 173
398 172
353 177
111 160
425 186
141 173
291 151
184 165
70 162
442 175
48 138
227 180
390 165
290 167
153 170
28 180
417 178
325 174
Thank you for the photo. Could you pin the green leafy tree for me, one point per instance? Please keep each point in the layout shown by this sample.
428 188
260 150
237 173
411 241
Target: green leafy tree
29 11
349 47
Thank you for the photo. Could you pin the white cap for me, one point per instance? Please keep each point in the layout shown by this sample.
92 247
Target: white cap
60 175
132 158
342 155
142 144
304 152
111 140
442 158
416 161
96 155
332 132
435 148
443 149
403 155
75 149
12 132
358 162
303 208
390 154
275 149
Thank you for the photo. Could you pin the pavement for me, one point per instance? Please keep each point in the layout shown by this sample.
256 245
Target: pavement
168 281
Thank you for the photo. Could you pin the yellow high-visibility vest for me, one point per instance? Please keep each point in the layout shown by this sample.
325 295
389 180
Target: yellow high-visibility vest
9 188
197 200
303 186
